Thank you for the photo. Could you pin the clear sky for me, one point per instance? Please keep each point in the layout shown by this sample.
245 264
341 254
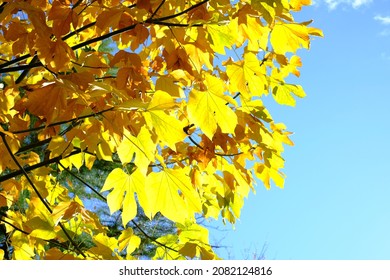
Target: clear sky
336 200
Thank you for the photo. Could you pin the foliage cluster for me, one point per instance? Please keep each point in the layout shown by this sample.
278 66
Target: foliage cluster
174 108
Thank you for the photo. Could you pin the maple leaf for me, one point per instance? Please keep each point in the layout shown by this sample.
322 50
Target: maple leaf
129 241
248 77
222 35
168 128
171 193
123 187
283 94
208 110
141 147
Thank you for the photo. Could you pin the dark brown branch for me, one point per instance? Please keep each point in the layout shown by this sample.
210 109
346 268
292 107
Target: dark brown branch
82 181
62 122
33 145
55 242
91 67
97 39
3 137
77 4
151 238
234 97
16 60
38 165
78 30
25 72
158 8
178 14
171 24
23 171
20 67
15 227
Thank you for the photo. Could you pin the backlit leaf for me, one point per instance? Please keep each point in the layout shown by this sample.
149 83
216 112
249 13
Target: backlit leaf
208 110
122 195
171 194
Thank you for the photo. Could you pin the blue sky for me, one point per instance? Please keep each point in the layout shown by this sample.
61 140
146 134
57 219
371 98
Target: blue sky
336 200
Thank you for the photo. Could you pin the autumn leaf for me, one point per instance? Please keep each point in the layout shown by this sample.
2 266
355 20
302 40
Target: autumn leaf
208 110
140 148
123 188
288 37
222 35
283 94
129 241
171 194
168 128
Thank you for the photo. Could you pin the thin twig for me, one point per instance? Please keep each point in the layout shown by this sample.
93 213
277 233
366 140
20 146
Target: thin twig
3 137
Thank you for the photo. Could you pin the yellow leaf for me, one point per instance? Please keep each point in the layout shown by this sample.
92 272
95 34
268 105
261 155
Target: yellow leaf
105 247
142 147
56 254
65 210
297 4
223 35
123 187
249 78
269 170
162 252
288 37
270 8
208 109
43 229
194 232
253 31
58 146
55 54
62 16
283 94
24 252
315 32
1 254
170 192
196 242
254 74
168 128
189 250
51 102
127 240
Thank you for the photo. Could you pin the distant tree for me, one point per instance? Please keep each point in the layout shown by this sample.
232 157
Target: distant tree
155 105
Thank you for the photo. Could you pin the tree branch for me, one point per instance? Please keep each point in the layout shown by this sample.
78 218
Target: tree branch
100 38
3 137
38 165
62 122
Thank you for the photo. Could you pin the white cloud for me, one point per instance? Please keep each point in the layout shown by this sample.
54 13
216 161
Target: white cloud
383 20
332 4
357 3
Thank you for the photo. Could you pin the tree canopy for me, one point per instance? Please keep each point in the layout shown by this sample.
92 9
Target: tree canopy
168 93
